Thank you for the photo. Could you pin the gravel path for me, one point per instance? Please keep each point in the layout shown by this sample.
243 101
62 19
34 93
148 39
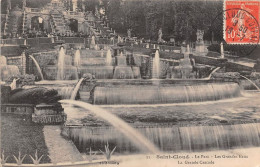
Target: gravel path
60 149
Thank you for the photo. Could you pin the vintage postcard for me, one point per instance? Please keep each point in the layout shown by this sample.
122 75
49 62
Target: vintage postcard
131 83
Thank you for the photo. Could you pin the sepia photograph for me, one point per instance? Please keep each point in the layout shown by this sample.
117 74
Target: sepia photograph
130 83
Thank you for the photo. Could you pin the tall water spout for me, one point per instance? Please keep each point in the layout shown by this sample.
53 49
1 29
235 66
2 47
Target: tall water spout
76 89
77 58
37 66
156 66
134 136
61 64
109 58
93 42
25 42
221 50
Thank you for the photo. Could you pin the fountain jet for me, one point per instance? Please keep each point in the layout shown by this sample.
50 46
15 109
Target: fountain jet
37 66
156 66
76 89
61 64
109 58
221 50
77 58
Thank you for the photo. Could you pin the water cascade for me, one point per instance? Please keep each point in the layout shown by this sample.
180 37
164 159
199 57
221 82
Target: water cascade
37 66
77 58
164 93
173 139
130 133
109 58
76 89
61 64
122 71
156 66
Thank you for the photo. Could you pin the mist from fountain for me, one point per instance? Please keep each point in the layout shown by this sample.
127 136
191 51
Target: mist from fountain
156 66
77 58
61 64
108 58
134 136
37 66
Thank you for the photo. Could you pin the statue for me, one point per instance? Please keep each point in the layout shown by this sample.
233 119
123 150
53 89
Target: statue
97 12
34 96
24 4
129 33
200 34
160 35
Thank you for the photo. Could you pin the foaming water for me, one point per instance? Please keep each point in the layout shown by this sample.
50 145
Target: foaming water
131 134
61 64
172 139
76 89
37 66
156 66
156 94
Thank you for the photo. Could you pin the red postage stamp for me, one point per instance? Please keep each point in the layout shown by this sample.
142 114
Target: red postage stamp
241 21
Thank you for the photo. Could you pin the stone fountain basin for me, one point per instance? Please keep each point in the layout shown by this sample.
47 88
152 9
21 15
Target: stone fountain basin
204 126
142 91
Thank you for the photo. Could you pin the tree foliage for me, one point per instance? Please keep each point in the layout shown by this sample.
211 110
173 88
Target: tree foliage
180 19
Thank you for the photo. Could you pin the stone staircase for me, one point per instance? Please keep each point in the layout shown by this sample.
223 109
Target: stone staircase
100 28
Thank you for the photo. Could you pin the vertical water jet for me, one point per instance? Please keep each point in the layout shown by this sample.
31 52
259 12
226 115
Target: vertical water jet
61 64
156 66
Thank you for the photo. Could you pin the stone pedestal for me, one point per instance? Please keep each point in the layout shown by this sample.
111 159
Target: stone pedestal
49 114
120 60
200 47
